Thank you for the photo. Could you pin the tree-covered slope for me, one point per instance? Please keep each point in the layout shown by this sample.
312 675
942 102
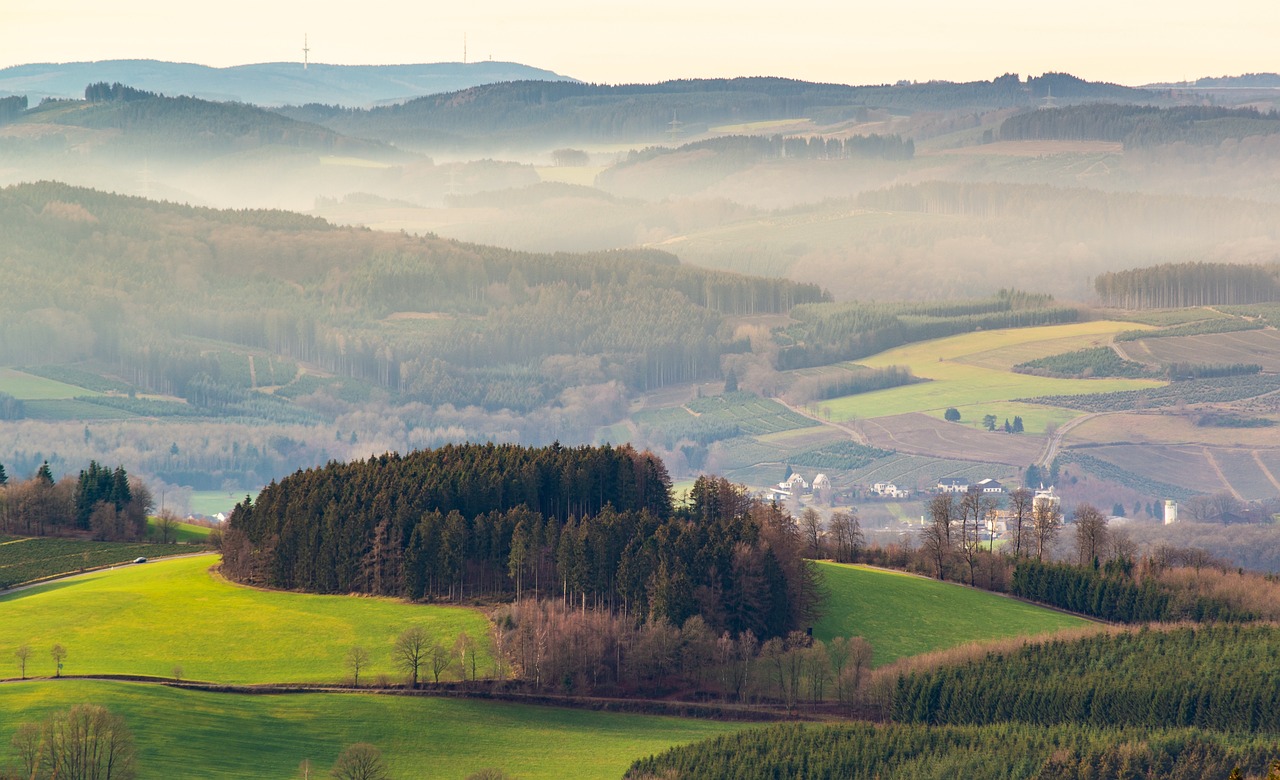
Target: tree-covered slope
168 296
533 111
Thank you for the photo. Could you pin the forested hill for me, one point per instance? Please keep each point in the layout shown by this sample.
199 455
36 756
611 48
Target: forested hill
529 111
268 83
125 120
1138 126
582 524
160 294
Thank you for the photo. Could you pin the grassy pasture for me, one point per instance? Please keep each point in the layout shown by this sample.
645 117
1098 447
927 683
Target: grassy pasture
1034 416
146 619
183 533
183 733
903 615
28 387
959 382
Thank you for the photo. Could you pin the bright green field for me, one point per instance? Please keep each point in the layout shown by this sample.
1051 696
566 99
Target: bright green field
184 533
211 502
903 615
28 387
972 369
1034 417
210 735
147 619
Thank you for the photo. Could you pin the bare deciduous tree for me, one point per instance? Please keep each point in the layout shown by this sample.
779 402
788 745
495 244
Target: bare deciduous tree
22 654
360 761
357 658
59 654
440 658
410 652
167 525
84 743
1046 522
1020 509
811 528
1091 533
846 533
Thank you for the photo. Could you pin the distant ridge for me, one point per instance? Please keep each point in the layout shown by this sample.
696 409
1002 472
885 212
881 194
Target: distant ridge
268 84
1243 81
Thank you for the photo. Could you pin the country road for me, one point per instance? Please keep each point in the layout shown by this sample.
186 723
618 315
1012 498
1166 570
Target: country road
1054 443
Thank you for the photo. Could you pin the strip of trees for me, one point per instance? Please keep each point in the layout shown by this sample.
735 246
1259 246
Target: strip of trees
105 503
1129 678
1187 284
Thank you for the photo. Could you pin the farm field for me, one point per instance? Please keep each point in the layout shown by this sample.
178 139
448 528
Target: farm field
1035 418
959 382
211 502
25 559
903 615
237 736
28 387
925 435
1167 317
1152 428
1189 466
149 618
70 409
1250 346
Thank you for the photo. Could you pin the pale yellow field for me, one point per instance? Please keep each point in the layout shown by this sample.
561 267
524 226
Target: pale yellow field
971 370
754 127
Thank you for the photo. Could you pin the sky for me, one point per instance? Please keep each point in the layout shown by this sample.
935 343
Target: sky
846 41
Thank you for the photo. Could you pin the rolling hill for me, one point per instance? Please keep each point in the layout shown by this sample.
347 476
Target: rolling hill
267 84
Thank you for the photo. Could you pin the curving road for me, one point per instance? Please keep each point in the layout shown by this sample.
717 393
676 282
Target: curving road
1054 443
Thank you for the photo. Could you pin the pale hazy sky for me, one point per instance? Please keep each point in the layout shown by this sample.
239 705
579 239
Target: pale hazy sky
847 41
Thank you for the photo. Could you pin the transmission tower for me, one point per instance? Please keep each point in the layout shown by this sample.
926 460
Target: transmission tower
1047 101
673 128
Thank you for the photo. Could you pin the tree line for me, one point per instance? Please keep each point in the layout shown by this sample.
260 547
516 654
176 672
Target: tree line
103 502
1115 594
1176 285
829 332
1139 125
589 525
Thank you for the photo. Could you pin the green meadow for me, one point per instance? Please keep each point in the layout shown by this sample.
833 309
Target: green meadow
185 733
146 619
28 387
182 533
973 369
903 615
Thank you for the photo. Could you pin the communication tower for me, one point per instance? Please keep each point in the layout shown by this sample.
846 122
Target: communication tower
306 51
